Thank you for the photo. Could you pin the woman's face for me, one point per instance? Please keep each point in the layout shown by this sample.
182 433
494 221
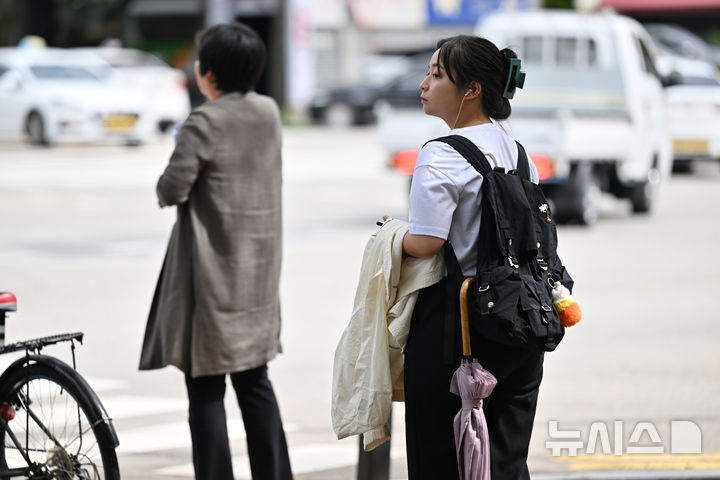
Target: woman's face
439 96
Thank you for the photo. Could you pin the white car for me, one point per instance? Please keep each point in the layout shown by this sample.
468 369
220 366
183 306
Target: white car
165 91
694 119
51 95
693 108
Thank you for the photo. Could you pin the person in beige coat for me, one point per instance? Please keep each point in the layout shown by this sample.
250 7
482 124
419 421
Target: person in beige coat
216 308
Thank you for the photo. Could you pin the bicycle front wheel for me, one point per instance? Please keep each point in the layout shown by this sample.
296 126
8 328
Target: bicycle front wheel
57 431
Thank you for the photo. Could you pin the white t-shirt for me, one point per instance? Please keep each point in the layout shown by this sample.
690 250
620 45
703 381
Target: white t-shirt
445 194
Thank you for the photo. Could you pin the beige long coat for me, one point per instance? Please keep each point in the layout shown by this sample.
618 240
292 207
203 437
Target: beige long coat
216 307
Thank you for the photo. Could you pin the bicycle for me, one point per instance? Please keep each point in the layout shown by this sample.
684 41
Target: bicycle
52 424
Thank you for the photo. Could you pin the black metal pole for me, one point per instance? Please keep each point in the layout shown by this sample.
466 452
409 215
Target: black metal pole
375 465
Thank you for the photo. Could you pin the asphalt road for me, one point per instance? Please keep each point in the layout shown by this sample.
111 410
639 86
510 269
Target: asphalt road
82 241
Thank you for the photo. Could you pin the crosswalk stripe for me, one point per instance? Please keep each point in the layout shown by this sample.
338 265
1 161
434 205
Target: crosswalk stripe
303 458
103 384
132 406
168 436
156 438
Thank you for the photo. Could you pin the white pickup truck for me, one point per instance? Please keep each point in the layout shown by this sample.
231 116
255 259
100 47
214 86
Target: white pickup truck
591 115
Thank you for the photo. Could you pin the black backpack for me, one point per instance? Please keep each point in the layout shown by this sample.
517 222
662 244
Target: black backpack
510 301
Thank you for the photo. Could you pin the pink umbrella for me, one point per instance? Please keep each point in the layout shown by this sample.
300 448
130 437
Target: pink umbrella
472 383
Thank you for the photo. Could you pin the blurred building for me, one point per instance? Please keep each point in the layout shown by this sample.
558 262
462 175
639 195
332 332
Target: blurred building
311 43
699 16
343 32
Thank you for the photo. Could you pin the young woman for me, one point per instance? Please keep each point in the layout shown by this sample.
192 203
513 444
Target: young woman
468 85
216 310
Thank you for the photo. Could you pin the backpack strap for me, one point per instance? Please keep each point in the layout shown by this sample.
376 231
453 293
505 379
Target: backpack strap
523 163
465 147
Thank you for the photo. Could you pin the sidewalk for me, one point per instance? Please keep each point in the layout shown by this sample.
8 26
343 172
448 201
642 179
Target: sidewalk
397 472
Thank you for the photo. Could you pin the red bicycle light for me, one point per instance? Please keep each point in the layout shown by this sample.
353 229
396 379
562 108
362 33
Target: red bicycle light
8 302
7 412
544 166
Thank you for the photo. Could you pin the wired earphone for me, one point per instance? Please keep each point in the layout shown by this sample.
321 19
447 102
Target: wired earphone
468 92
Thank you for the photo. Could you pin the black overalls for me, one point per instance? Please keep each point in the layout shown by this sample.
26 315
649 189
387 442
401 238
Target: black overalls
430 407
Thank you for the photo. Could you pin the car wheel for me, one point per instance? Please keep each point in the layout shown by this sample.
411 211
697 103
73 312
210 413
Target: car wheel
36 129
339 115
642 195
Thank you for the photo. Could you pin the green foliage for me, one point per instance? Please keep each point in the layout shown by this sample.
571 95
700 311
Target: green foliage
713 36
567 4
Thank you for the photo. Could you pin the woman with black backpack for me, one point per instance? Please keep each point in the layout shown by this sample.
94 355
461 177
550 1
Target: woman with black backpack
468 85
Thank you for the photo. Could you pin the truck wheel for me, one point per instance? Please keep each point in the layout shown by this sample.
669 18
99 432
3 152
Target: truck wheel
585 192
642 195
578 200
590 196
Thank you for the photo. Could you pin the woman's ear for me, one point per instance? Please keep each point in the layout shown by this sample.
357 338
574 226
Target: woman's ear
473 91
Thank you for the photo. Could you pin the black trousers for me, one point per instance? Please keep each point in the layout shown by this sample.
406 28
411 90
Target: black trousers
266 443
430 407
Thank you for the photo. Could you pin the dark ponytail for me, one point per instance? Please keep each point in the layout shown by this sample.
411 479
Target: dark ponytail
469 59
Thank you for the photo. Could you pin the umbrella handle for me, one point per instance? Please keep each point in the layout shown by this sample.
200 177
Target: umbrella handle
464 322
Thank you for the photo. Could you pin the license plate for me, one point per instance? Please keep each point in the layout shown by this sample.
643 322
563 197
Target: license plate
119 123
690 146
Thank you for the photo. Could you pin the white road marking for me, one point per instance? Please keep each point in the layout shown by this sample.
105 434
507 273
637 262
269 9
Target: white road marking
156 438
304 459
131 406
102 385
168 436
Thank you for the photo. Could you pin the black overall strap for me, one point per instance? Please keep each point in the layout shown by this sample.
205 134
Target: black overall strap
452 296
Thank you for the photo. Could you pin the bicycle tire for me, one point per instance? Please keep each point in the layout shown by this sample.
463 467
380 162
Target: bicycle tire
60 398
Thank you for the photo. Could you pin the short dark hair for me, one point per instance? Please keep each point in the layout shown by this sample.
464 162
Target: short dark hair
234 53
468 58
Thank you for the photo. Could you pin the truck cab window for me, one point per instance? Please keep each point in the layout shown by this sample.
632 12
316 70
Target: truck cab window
566 51
532 49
